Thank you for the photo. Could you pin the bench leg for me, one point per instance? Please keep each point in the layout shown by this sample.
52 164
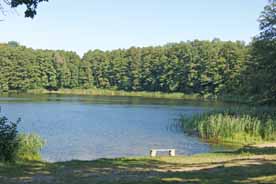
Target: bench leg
152 153
172 153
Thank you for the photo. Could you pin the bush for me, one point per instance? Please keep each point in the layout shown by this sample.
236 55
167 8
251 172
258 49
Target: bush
8 139
30 146
14 146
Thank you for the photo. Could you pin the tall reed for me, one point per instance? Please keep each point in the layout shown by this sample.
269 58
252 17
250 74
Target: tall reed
110 92
238 125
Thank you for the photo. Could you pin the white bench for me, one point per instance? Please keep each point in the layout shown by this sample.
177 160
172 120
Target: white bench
153 152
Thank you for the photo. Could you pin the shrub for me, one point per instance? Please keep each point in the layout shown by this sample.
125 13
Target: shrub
29 147
14 146
8 139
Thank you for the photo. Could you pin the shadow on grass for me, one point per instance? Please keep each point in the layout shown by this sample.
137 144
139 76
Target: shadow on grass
257 151
145 170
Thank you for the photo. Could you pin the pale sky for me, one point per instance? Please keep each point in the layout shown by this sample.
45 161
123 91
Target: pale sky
112 24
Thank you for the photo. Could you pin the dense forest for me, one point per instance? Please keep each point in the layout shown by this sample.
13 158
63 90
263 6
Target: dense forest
203 67
190 67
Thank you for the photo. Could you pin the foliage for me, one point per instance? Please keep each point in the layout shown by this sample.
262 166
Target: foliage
242 125
30 146
194 67
14 146
209 68
13 44
268 21
8 139
31 5
260 73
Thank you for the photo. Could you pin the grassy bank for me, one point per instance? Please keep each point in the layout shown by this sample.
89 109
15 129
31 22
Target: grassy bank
236 125
109 92
247 165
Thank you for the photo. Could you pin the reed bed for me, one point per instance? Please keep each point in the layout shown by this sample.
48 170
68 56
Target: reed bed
146 94
234 125
110 92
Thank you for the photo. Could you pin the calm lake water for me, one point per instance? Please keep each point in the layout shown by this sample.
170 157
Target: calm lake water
85 127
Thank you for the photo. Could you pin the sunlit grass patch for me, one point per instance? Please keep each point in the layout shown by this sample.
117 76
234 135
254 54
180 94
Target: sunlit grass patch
110 92
245 165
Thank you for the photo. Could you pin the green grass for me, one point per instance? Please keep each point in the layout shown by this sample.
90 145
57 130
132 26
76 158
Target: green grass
235 125
146 94
175 95
29 147
246 165
108 92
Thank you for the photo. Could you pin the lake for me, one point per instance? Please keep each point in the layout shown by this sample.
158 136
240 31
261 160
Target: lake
89 127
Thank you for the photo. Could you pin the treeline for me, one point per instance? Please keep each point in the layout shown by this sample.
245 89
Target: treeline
194 67
23 68
203 67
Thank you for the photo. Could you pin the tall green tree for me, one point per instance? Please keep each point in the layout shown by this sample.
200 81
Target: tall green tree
268 21
262 66
204 67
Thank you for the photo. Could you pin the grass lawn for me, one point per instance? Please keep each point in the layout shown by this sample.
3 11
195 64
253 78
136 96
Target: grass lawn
246 165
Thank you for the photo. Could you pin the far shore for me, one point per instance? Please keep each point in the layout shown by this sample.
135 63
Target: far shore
146 94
